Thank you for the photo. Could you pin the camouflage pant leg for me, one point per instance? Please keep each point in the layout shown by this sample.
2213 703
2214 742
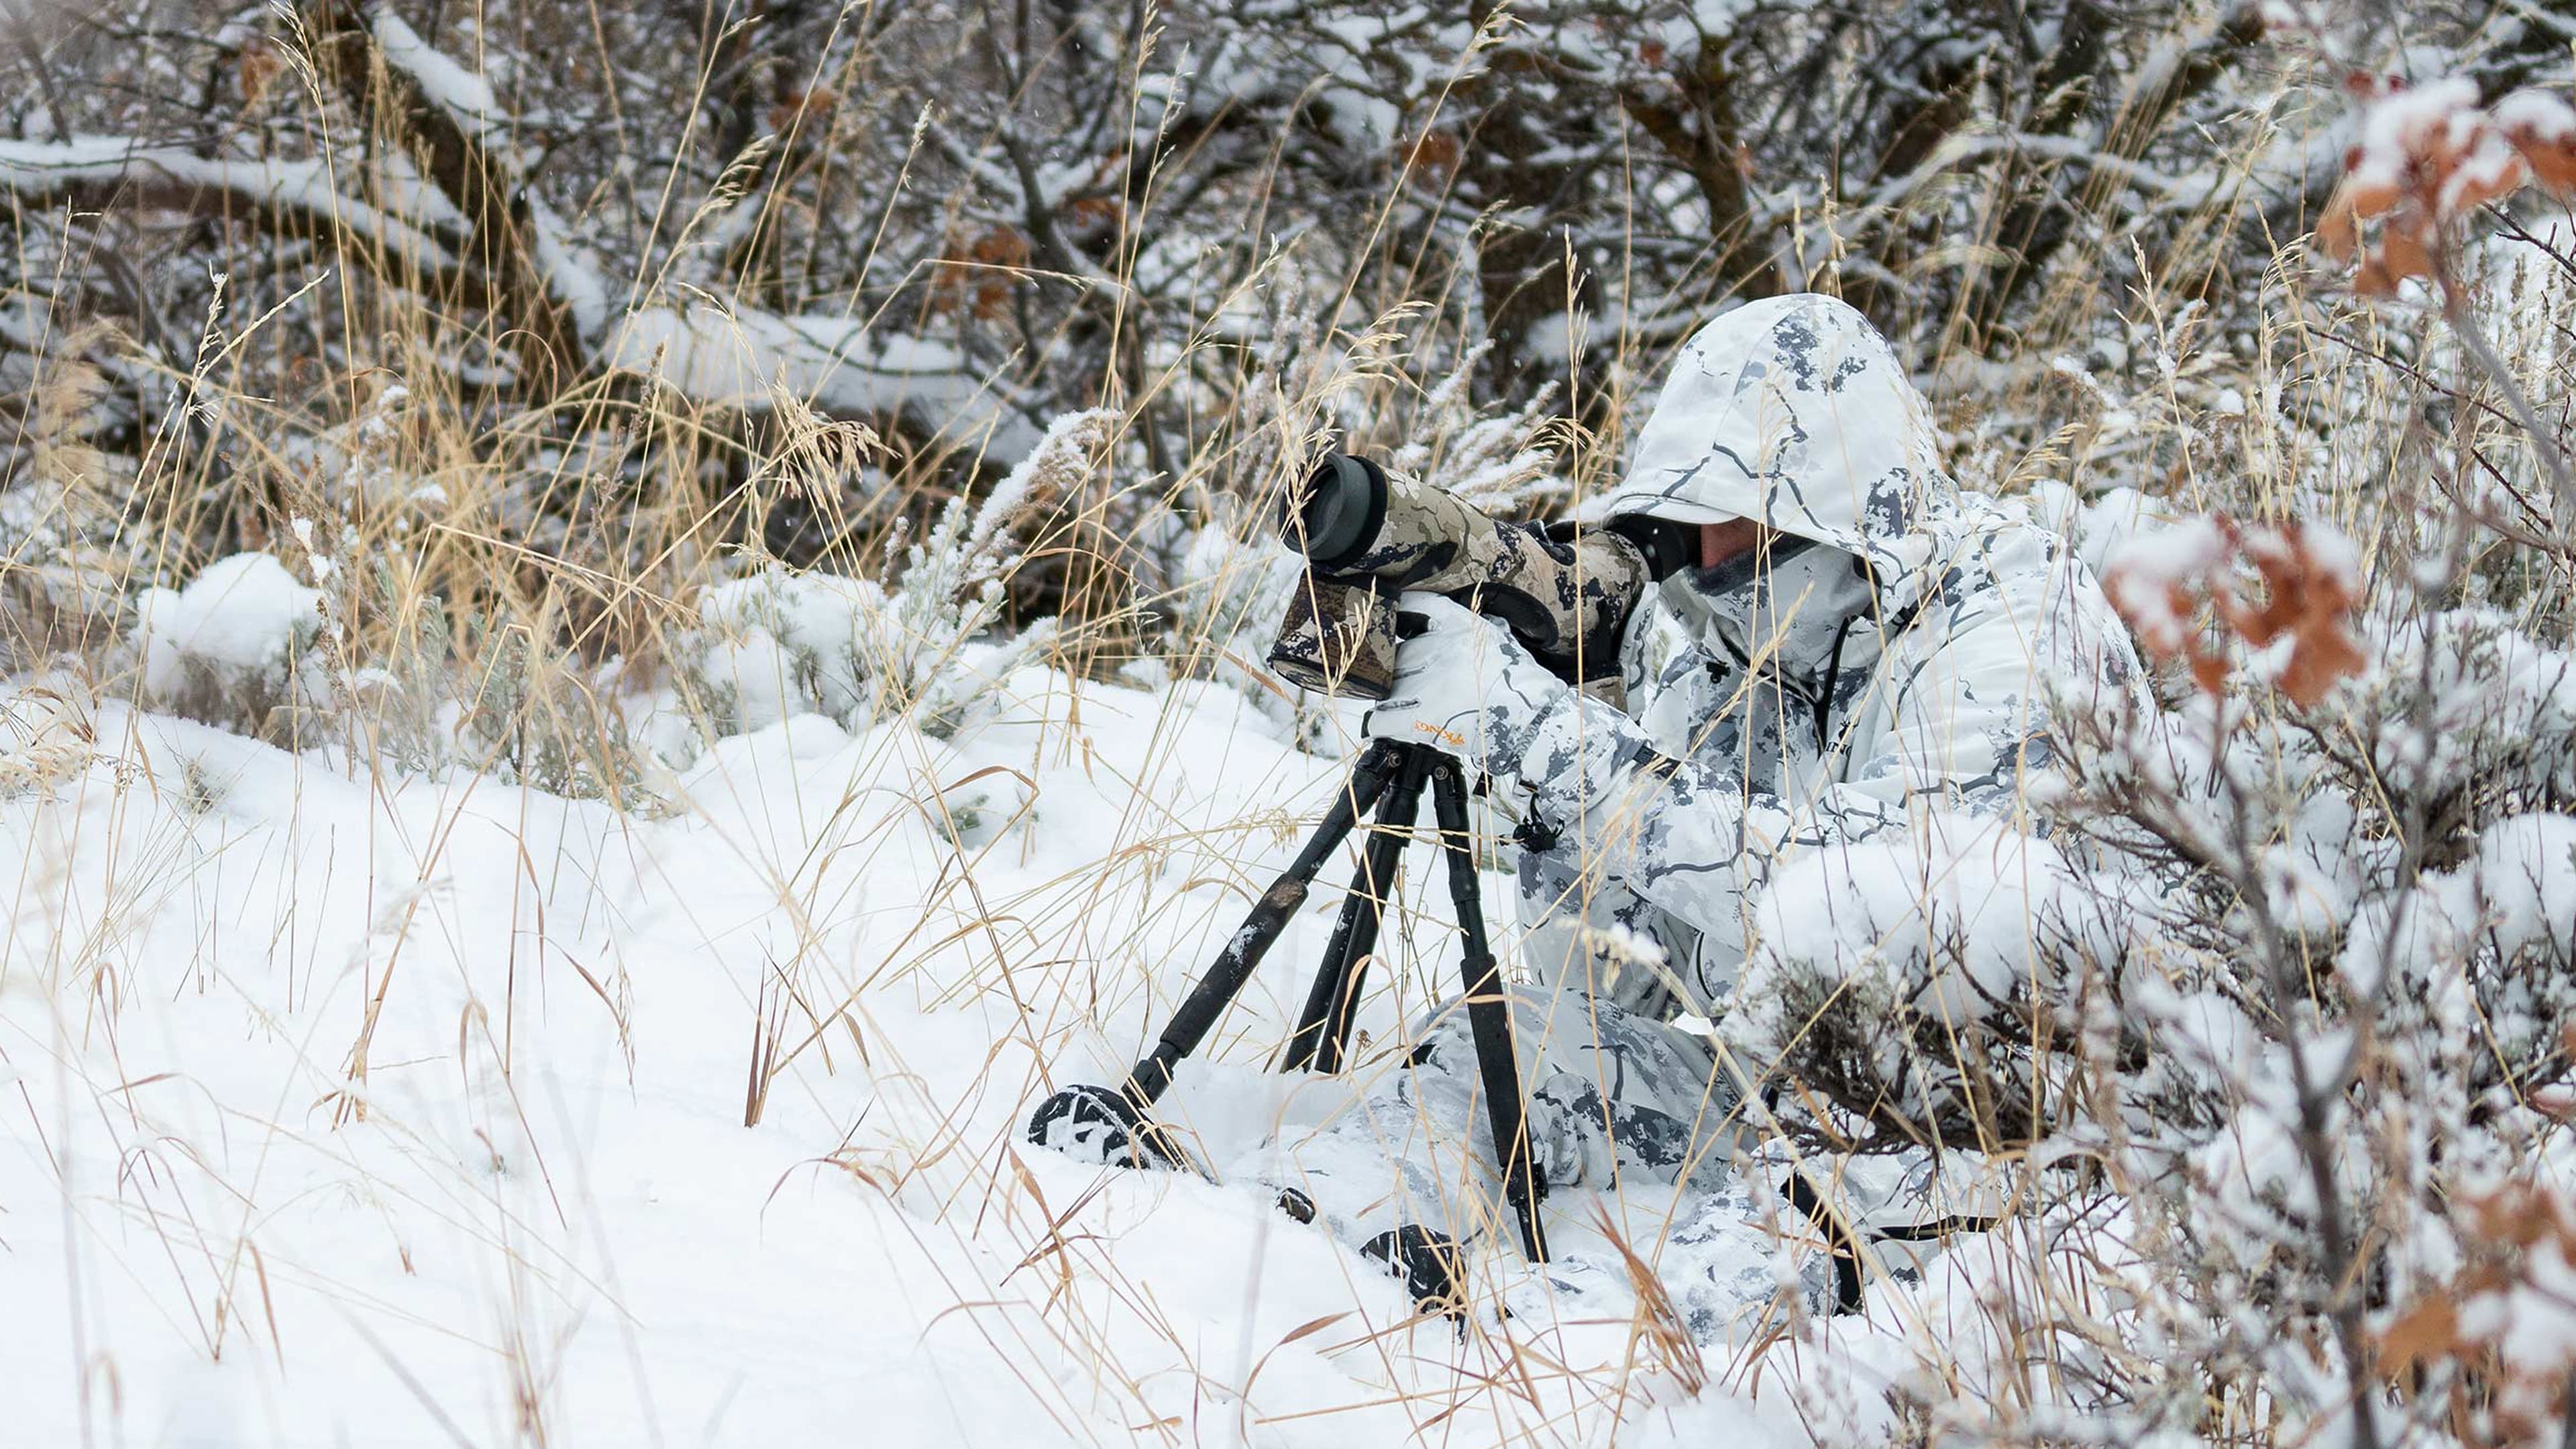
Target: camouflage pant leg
1612 1098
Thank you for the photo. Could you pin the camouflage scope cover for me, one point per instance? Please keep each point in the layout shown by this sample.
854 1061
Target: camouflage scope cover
1335 639
1369 535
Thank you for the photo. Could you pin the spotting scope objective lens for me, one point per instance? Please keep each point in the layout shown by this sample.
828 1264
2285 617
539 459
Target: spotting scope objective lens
1339 510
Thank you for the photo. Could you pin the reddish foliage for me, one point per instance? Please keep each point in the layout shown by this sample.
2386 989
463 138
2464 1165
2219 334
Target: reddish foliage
1434 156
2428 158
803 109
2308 600
979 276
2307 593
2504 1389
1088 214
258 65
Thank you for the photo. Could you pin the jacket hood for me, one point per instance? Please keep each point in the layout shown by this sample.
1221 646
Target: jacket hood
1793 411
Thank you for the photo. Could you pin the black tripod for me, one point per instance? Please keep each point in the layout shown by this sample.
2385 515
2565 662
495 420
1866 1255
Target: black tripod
1115 1125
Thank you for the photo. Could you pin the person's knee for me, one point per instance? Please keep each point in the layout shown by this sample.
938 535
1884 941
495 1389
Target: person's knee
1583 1137
1615 1094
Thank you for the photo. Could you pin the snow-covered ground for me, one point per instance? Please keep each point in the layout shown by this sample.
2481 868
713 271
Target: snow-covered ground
352 1109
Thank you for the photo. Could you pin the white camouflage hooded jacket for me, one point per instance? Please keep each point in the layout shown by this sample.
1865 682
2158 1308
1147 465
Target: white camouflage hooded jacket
1892 676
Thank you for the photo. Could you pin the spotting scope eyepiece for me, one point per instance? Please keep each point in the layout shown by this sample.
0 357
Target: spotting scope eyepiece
1566 590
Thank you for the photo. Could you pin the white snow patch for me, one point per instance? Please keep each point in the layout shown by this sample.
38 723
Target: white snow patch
245 613
465 94
551 1206
303 185
746 358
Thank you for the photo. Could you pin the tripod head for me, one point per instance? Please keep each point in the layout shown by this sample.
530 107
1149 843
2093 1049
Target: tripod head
1565 589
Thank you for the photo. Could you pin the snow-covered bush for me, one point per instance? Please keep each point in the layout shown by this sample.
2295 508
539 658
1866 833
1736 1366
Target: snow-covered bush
2273 1014
777 643
1895 987
234 646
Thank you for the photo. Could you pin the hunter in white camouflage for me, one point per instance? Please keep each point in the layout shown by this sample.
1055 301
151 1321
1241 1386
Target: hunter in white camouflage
1875 662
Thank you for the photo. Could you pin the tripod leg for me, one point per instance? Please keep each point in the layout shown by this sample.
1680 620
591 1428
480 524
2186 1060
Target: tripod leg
1235 964
1323 1034
1489 1012
1113 1123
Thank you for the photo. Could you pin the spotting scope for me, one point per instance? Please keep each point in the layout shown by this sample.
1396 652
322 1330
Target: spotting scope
1566 589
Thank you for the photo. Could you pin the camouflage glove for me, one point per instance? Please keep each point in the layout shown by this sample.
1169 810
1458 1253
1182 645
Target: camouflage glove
1466 686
